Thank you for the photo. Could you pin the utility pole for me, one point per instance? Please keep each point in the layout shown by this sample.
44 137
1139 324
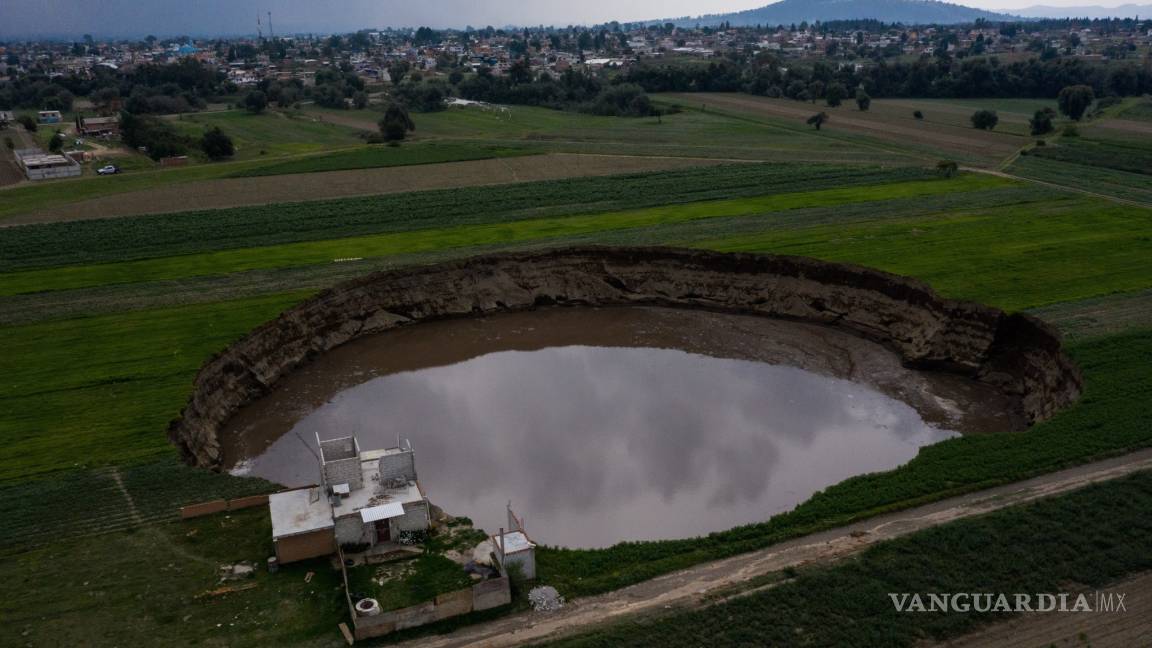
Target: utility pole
271 33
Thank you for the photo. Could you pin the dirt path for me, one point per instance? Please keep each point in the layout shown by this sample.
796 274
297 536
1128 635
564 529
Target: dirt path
235 192
1120 629
690 586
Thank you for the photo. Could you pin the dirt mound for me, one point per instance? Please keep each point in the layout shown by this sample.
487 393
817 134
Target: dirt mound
1017 354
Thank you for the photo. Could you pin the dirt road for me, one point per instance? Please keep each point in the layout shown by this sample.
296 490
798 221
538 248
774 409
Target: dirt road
235 192
690 586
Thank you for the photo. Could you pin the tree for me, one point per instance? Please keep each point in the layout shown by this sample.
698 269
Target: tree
216 144
396 123
360 99
863 101
28 123
106 100
56 144
834 95
397 70
818 119
1041 122
256 101
985 119
1075 100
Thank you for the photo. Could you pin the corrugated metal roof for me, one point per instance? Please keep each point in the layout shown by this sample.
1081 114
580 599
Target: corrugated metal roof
382 512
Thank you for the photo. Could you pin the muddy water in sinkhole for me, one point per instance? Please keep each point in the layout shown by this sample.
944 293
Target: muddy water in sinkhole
602 425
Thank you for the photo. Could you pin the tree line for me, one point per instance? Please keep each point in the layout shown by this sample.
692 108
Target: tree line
935 77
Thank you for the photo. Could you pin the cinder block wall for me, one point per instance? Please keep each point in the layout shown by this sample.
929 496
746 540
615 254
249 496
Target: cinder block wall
398 466
415 518
344 471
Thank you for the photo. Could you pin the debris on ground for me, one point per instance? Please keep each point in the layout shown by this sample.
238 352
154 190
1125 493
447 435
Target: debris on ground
545 599
238 571
308 577
227 589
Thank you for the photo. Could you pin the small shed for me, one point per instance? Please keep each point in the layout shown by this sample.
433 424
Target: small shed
514 549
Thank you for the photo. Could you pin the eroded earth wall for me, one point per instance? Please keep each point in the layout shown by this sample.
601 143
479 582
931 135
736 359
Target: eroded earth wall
1016 353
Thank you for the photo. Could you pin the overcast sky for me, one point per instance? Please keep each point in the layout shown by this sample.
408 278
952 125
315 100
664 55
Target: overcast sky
201 17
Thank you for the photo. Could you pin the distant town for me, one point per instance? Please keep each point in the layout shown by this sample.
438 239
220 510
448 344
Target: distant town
388 55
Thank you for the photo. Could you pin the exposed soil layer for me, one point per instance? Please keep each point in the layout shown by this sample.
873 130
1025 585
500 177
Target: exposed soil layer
1017 354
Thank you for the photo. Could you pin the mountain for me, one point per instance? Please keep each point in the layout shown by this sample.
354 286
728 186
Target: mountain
909 12
1094 11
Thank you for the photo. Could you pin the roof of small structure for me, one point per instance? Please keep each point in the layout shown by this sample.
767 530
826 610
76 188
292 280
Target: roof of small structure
515 541
303 510
382 512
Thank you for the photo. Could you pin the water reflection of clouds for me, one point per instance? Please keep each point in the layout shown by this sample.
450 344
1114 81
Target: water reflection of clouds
598 444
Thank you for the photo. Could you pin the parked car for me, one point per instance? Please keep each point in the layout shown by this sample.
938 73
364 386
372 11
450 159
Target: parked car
108 170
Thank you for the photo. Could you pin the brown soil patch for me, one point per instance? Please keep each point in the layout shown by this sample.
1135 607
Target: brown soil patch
235 192
901 131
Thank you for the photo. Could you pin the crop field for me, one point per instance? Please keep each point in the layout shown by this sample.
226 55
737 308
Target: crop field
1102 180
382 156
220 192
687 134
1128 156
106 321
1013 113
886 126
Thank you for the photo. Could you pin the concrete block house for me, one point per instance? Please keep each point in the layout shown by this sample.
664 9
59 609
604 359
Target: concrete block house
365 499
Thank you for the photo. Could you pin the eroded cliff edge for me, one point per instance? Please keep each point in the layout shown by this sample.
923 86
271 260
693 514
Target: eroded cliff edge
1015 353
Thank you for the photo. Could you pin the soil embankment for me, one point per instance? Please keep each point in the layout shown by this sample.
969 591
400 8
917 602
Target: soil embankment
1015 353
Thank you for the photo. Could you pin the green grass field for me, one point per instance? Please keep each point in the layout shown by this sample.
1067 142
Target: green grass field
272 133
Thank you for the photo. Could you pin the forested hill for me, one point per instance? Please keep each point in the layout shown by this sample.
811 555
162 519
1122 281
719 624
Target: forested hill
909 12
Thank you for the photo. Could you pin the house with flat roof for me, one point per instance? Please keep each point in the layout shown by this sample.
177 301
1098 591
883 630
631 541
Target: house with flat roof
365 499
92 126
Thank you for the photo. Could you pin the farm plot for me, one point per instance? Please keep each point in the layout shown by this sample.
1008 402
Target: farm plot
1093 179
1013 113
234 192
890 127
688 133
